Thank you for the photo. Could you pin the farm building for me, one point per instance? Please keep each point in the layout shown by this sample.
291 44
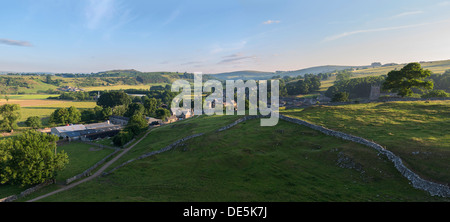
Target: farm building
69 132
86 132
119 120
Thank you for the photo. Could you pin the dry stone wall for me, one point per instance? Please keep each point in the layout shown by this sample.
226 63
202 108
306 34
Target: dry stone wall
26 192
434 189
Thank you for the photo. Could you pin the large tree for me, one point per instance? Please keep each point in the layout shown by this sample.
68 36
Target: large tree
65 116
134 109
113 99
162 113
30 158
10 114
150 105
34 122
411 76
137 124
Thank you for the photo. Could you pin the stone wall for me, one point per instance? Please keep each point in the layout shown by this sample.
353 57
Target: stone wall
387 99
167 148
434 189
26 192
237 122
176 143
88 171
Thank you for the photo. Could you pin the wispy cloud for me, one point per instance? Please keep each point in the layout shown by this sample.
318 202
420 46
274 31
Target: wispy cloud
236 58
15 42
269 22
346 34
172 17
98 11
444 3
407 14
191 63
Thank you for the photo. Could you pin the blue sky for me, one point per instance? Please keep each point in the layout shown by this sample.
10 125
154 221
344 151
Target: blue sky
218 36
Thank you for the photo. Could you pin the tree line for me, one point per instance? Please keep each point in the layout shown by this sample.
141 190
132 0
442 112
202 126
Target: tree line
411 80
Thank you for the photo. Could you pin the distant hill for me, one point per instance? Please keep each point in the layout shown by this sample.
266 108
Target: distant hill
437 67
316 70
257 75
375 69
244 75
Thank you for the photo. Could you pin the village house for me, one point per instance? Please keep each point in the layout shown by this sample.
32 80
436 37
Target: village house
153 121
171 119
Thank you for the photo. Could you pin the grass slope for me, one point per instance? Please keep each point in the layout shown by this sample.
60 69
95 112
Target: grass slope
248 162
415 131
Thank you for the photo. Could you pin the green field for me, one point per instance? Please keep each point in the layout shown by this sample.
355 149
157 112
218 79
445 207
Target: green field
81 157
44 111
415 131
248 162
165 135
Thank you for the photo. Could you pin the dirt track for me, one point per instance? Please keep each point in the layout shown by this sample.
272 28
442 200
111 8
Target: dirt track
96 174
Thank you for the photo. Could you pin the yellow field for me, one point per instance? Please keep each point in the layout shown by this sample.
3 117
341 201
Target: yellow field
438 67
121 87
43 108
32 102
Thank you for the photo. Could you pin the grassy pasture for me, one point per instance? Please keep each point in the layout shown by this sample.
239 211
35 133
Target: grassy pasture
416 131
284 163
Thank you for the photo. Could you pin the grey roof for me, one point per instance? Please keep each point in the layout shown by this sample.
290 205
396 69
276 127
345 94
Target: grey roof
119 117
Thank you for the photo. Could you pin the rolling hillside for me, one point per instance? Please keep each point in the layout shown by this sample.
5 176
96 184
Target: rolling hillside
437 67
248 162
257 75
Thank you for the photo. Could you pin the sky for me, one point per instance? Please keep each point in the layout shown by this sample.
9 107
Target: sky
84 36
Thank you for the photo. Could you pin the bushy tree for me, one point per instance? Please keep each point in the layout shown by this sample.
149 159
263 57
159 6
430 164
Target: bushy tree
343 76
134 109
137 124
357 87
162 113
411 76
10 114
308 84
34 122
150 105
74 115
441 81
30 158
97 114
122 138
65 116
436 94
340 97
113 99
